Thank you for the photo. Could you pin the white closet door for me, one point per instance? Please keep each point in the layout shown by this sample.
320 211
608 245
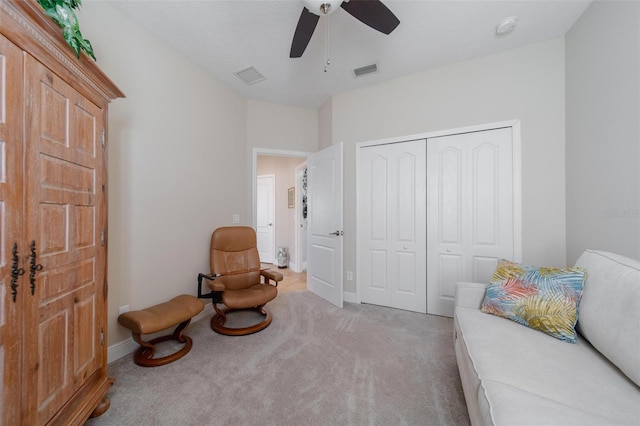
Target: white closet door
470 211
392 225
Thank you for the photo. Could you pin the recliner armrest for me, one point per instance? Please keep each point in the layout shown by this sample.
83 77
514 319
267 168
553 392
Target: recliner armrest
469 295
214 283
271 275
217 283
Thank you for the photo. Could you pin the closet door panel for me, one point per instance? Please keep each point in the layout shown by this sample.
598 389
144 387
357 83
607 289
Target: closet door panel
11 148
65 221
392 224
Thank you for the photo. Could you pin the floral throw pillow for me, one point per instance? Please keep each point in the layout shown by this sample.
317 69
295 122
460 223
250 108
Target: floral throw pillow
545 299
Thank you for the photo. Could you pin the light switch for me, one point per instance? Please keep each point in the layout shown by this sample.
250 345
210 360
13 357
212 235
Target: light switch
235 218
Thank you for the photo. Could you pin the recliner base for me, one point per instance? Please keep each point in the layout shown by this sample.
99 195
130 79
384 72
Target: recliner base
218 320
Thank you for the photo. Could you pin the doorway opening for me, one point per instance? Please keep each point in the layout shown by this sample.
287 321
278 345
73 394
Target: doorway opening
287 224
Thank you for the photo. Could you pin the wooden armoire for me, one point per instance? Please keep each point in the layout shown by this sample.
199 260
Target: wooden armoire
53 224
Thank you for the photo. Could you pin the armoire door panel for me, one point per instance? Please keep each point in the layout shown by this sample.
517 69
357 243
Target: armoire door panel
11 222
59 174
65 221
85 227
84 348
86 142
3 156
52 363
59 281
54 115
54 237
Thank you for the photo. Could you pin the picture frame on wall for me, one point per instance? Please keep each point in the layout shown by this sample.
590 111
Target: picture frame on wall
291 197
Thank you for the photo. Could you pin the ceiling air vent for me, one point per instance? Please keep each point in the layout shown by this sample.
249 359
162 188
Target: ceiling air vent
368 69
250 76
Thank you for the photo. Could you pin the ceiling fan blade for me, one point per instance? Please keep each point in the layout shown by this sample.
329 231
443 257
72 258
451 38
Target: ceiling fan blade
372 13
306 25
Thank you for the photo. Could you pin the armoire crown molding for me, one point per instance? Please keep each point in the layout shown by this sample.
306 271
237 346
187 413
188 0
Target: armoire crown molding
45 42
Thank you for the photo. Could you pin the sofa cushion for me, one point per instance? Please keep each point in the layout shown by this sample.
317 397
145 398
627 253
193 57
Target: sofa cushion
610 308
517 406
545 299
523 372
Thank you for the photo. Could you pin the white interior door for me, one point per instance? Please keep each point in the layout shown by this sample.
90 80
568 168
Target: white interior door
470 215
265 218
324 224
392 220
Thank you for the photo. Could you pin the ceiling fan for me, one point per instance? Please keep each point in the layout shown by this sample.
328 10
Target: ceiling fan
370 12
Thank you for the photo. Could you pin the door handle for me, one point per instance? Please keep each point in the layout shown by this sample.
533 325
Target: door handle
34 267
337 233
15 272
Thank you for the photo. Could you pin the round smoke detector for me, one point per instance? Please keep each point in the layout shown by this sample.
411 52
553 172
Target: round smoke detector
507 25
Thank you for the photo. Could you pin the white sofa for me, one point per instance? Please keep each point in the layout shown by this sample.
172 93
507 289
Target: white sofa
515 375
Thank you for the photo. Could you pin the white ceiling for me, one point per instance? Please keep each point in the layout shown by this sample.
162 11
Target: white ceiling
226 36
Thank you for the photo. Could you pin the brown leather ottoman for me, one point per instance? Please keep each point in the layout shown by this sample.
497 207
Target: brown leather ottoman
177 311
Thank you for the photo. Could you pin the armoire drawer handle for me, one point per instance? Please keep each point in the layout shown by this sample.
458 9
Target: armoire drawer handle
15 272
34 267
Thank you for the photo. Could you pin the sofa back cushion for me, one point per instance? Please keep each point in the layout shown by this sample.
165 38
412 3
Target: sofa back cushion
609 313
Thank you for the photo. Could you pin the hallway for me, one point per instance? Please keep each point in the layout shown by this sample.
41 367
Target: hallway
292 281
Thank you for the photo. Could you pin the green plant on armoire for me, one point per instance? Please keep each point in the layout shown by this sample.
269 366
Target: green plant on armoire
61 11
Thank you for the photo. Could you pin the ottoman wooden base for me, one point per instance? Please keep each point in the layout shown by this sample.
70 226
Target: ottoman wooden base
178 310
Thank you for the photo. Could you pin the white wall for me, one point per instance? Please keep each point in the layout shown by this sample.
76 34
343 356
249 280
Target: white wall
525 84
281 127
325 124
177 163
603 130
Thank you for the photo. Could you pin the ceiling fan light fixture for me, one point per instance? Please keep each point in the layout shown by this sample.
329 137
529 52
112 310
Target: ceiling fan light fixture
321 7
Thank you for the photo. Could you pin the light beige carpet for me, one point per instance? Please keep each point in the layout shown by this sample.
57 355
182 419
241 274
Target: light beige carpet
315 365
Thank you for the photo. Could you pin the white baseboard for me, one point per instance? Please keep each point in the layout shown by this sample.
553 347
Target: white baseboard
350 297
129 346
121 349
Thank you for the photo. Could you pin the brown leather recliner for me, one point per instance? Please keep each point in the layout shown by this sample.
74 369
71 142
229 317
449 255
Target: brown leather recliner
235 279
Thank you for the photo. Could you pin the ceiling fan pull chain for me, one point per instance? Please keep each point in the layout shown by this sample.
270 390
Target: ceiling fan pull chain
327 61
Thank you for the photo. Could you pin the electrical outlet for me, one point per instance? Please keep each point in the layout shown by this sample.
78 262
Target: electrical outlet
235 218
349 276
123 309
